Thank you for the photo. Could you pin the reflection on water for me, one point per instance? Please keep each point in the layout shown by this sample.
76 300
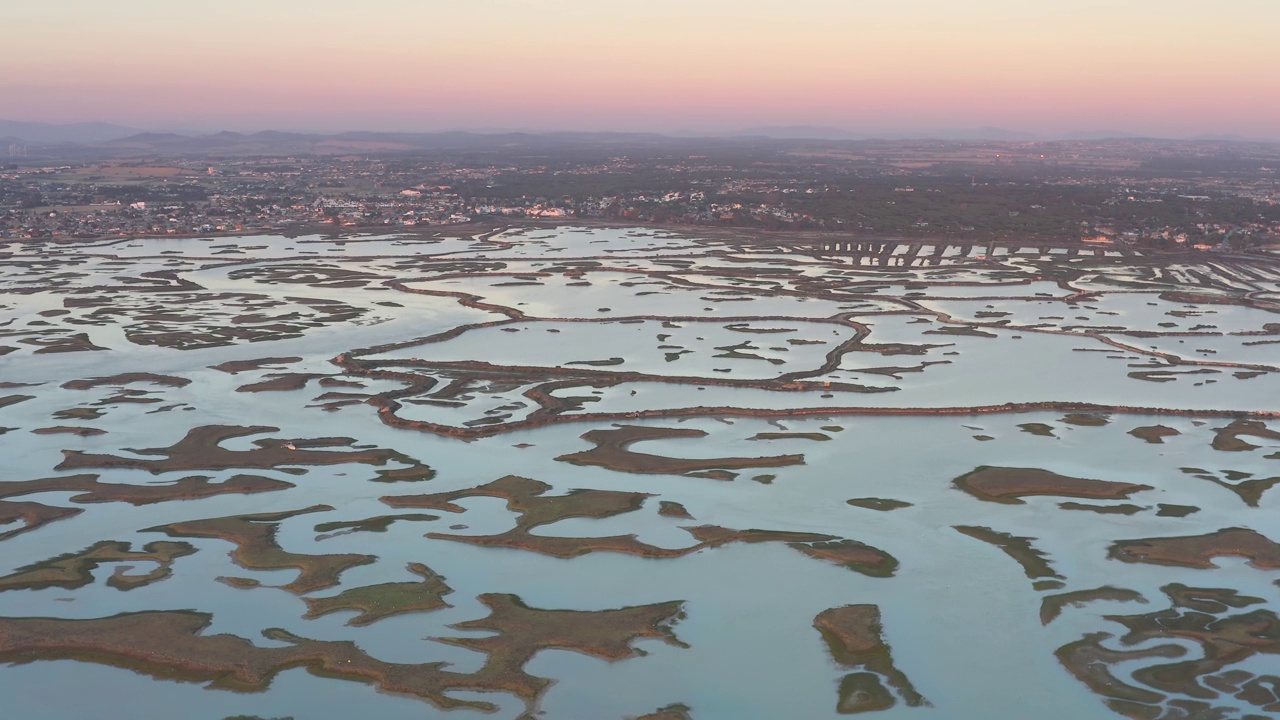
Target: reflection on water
619 473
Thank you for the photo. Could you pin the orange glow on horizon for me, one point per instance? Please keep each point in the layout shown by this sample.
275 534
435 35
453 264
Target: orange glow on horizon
1180 67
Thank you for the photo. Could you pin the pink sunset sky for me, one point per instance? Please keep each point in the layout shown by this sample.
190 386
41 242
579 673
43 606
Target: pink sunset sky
1170 67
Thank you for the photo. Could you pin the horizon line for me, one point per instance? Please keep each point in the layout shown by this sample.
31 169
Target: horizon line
798 132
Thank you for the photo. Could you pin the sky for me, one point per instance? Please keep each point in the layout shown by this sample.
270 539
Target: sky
1159 67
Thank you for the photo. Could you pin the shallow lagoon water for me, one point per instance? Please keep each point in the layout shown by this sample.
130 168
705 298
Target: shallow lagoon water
1120 311
690 348
959 615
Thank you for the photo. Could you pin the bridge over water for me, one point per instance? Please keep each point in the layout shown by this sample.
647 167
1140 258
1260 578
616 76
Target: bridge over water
896 253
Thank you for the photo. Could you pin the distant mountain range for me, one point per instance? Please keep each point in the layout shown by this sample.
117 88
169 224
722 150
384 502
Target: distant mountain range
105 140
810 132
272 141
101 140
79 133
992 134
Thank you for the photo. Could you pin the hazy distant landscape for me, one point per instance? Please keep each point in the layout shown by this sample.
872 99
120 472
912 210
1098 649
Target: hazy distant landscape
1156 194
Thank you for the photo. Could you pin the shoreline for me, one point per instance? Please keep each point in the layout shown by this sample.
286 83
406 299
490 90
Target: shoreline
693 232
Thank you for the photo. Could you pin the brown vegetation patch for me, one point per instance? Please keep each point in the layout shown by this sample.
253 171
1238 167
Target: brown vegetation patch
256 548
281 382
566 547
534 508
78 342
413 473
1089 660
1190 688
68 430
127 379
1154 434
125 396
611 451
8 400
522 631
966 330
333 382
1243 484
239 583
1229 438
1033 562
373 524
1209 600
76 569
851 554
1009 485
188 488
1085 419
1038 429
32 515
1051 606
678 711
1199 551
234 367
1168 375
528 499
670 508
854 637
200 450
1125 509
169 645
375 602
79 413
881 504
819 437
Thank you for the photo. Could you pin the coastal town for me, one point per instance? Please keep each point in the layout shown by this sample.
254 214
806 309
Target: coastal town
1148 194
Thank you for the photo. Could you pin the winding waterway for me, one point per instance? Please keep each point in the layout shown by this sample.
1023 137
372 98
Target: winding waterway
574 472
